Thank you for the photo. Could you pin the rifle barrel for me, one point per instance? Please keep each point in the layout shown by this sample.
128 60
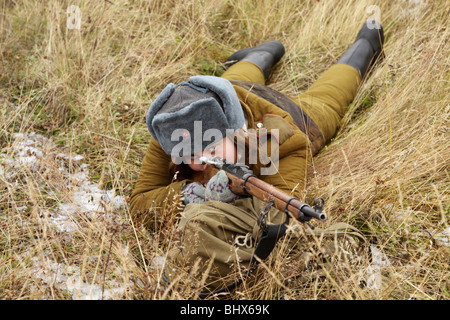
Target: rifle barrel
283 201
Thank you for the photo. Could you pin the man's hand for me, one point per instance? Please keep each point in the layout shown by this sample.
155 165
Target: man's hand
193 193
218 189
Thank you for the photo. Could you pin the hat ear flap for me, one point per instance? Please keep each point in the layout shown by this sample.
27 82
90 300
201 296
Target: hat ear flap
156 106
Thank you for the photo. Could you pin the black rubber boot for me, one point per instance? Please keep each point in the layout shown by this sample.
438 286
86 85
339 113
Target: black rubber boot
265 56
366 49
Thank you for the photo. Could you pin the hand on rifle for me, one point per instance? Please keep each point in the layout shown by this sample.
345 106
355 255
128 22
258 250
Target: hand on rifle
217 189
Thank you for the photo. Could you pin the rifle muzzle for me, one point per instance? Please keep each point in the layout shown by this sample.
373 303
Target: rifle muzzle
310 212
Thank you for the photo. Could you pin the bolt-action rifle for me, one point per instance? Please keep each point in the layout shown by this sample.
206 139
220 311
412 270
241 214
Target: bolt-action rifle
244 182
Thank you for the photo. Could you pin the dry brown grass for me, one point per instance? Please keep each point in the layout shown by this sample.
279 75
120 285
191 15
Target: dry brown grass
87 91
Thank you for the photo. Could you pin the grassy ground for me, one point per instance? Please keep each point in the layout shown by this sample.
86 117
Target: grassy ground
86 92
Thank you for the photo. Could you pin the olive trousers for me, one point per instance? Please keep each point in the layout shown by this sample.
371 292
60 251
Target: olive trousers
326 101
216 239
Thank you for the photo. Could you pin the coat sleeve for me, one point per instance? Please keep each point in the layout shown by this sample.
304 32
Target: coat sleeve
155 194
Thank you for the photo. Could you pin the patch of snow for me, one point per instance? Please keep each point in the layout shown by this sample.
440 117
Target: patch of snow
86 197
31 150
443 238
69 278
379 261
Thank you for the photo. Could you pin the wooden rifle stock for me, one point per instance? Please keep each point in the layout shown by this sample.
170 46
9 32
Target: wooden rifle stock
243 182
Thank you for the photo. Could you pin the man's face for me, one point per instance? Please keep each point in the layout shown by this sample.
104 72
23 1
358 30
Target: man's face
225 149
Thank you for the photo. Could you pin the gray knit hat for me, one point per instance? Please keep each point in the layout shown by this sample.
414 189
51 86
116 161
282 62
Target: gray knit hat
181 114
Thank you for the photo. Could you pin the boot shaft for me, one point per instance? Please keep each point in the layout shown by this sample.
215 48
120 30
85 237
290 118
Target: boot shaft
366 49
